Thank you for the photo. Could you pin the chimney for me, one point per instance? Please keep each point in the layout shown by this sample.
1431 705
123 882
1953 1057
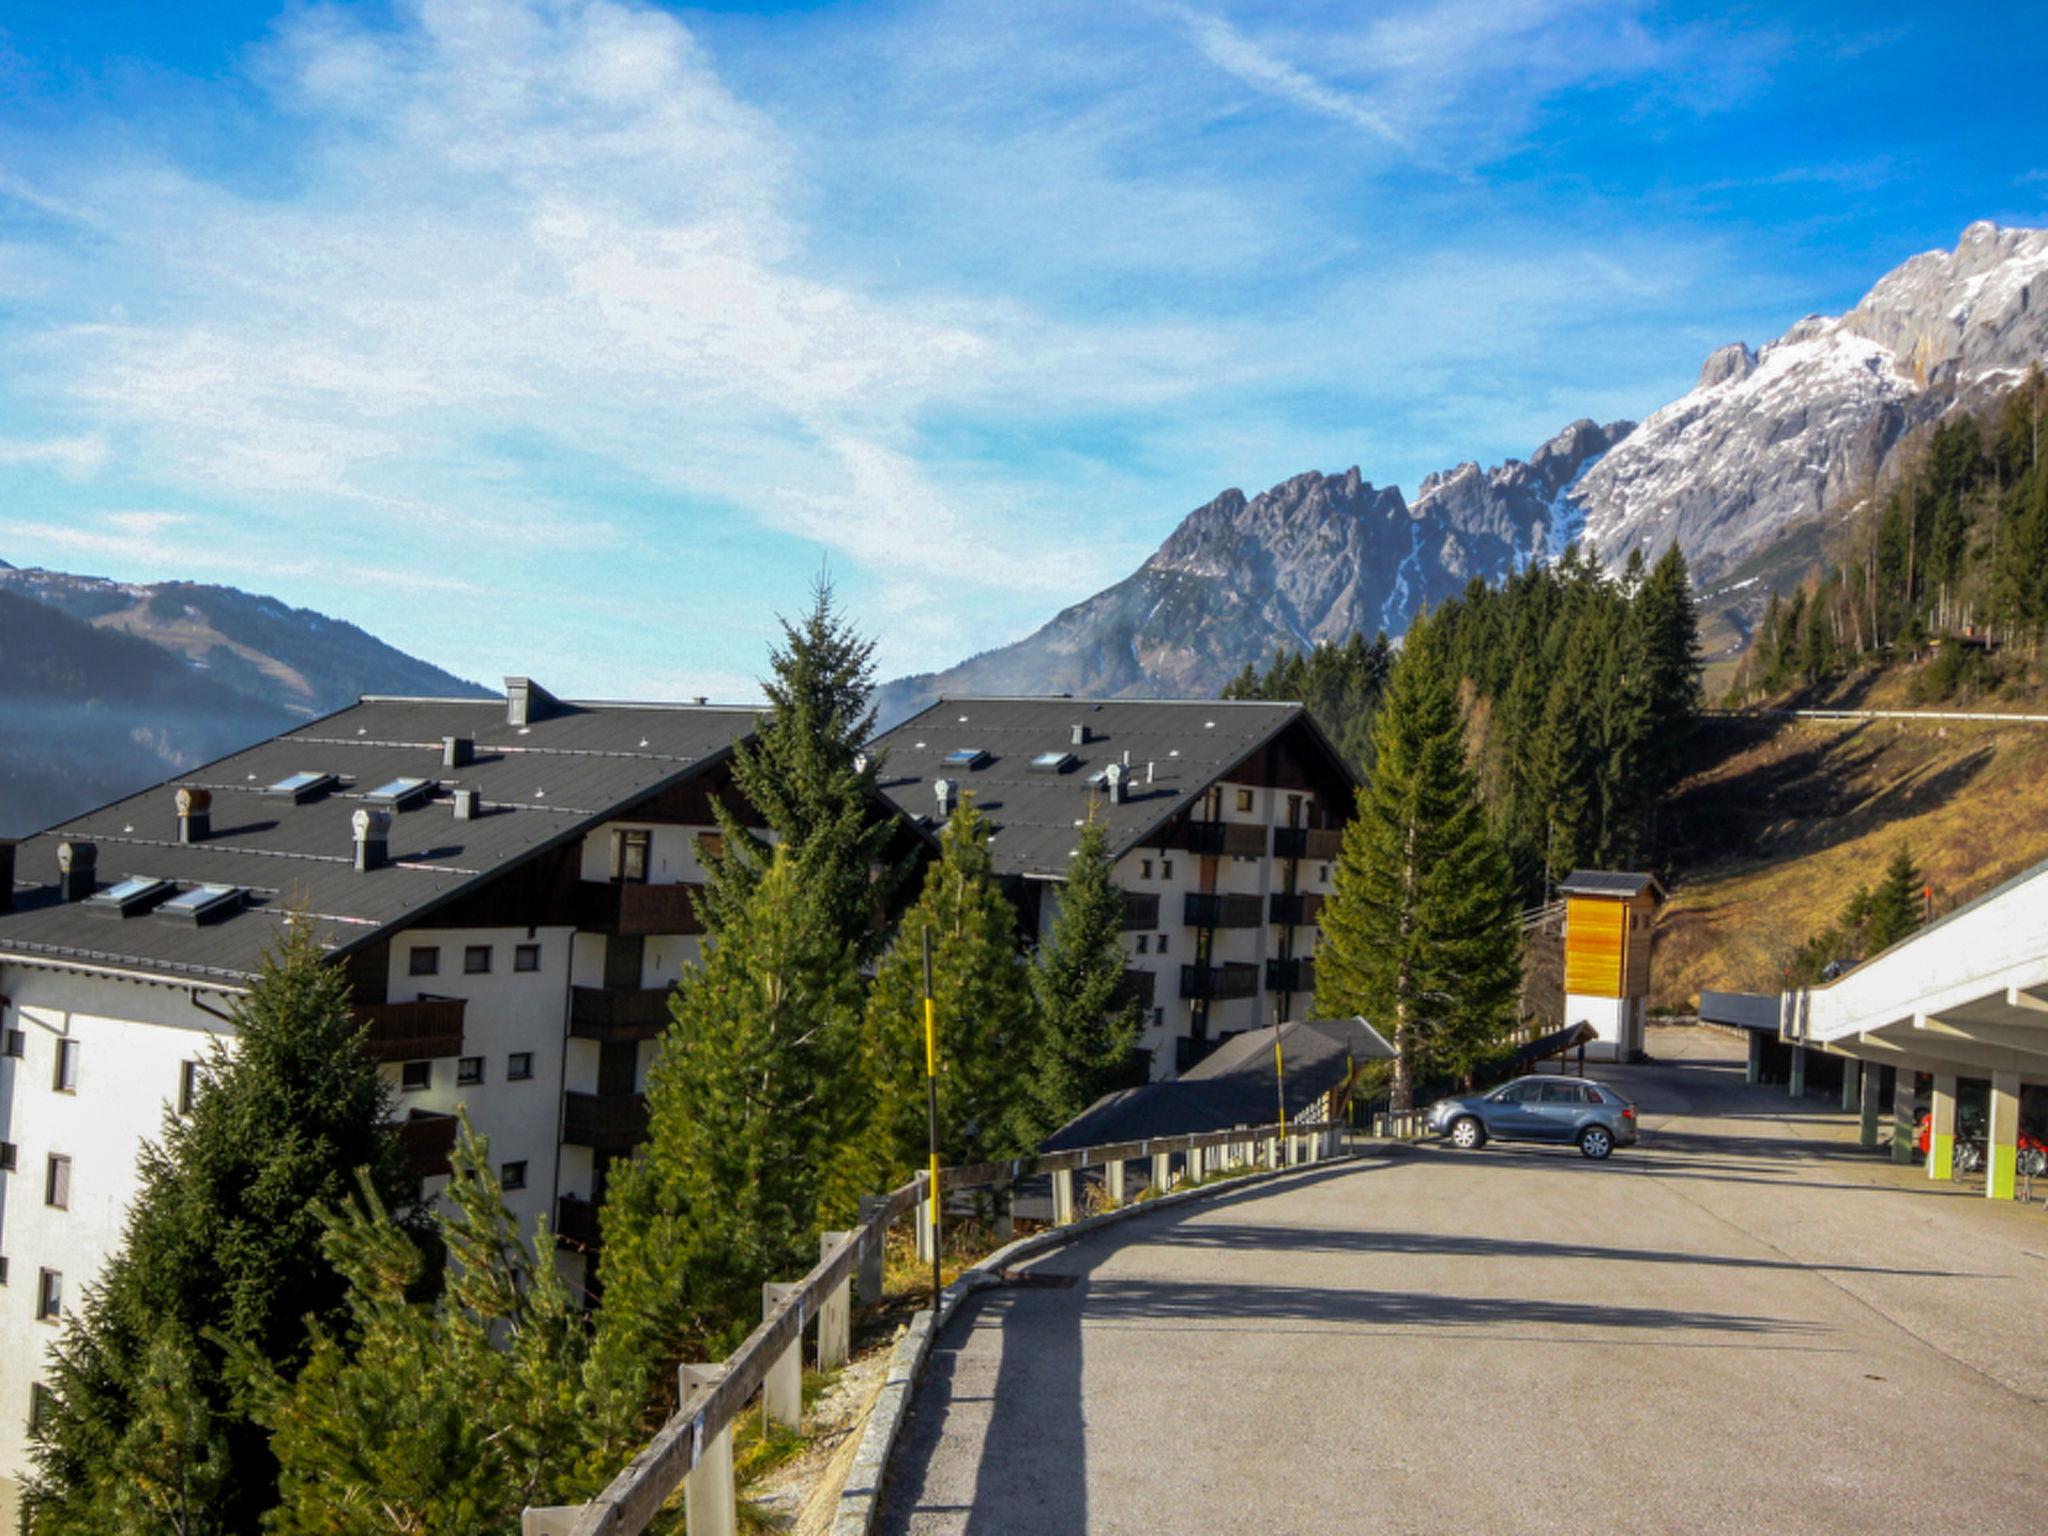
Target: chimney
943 788
6 874
700 698
469 804
195 815
526 701
1082 735
1148 770
373 839
75 865
1113 780
458 751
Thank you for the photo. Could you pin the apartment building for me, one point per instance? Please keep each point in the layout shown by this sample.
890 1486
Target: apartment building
509 885
1223 818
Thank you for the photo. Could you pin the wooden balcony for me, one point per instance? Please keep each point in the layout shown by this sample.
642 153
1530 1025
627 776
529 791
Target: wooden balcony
413 1031
605 1013
604 1122
1201 909
1295 909
576 1224
428 1139
627 908
1141 909
1294 975
1245 839
1320 843
1218 982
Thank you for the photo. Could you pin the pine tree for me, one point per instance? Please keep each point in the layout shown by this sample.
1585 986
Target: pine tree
1088 1025
987 1022
812 778
220 1253
1418 933
754 1105
1895 906
1666 622
446 1416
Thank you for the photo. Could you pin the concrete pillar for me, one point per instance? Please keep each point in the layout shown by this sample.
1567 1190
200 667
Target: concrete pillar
1754 1071
2001 1163
1941 1132
1852 1091
1113 1181
1272 1151
1796 1084
868 1281
1869 1099
835 1313
1191 1166
1063 1197
1905 1110
782 1391
709 1507
1162 1171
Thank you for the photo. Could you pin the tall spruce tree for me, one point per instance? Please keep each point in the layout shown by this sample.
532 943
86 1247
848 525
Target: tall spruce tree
987 1019
754 1104
810 775
1896 905
1088 1024
1418 933
221 1252
447 1415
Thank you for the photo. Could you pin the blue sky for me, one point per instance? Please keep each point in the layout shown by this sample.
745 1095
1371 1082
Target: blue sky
570 336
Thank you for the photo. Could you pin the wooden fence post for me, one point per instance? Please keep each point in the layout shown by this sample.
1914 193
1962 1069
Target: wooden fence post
710 1507
835 1313
1062 1197
869 1288
553 1520
782 1390
1114 1181
1162 1171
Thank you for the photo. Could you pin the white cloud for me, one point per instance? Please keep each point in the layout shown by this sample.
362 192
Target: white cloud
75 457
1229 49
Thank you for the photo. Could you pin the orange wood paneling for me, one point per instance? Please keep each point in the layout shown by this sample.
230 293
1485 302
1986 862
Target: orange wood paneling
1594 935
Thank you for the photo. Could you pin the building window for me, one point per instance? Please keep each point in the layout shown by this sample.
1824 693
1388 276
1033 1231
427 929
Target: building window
49 1295
629 854
512 1175
1162 944
1158 1022
469 1071
65 1078
1166 869
476 960
710 848
1143 940
1322 874
57 1182
425 961
1144 869
518 1066
526 957
9 1155
1244 799
413 1076
15 1044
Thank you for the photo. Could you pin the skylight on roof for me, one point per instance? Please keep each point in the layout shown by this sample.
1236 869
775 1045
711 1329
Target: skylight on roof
1052 762
401 794
965 757
203 902
137 893
301 786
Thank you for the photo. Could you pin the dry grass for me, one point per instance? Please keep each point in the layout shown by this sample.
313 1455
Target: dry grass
1785 818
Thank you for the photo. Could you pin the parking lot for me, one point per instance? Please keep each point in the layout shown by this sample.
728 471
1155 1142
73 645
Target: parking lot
1743 1324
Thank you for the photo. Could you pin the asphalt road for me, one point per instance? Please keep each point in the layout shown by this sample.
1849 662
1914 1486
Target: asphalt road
1743 1325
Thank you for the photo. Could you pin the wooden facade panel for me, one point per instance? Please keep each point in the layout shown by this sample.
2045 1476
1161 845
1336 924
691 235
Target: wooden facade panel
1595 935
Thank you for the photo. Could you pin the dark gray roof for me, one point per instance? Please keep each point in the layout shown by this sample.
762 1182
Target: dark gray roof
1177 749
1600 882
543 784
1233 1085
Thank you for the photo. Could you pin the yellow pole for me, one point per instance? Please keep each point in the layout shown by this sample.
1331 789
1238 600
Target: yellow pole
931 1081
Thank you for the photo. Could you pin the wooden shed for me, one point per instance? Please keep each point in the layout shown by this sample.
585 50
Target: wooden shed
1608 916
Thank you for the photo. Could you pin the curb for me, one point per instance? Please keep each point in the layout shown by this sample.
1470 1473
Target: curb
860 1497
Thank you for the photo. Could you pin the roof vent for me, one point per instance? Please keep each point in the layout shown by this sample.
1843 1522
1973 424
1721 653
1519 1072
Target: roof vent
76 863
195 814
1113 781
203 904
526 701
469 804
943 789
373 839
458 751
1082 735
700 698
6 874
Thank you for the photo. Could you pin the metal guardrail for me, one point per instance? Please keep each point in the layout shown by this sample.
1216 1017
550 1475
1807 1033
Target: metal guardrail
1875 714
694 1440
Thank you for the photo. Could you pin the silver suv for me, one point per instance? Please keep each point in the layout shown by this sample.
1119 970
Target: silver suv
1561 1109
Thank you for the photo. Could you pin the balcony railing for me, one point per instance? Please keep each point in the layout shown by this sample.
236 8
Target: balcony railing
1201 909
1242 838
1141 909
576 1223
427 1140
1306 842
605 1013
414 1031
1292 909
627 908
1217 982
604 1122
1292 975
